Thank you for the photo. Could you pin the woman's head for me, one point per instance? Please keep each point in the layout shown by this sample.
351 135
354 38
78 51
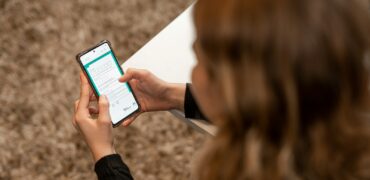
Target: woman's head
279 76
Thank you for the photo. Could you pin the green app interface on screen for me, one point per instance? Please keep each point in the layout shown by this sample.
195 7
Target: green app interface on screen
104 71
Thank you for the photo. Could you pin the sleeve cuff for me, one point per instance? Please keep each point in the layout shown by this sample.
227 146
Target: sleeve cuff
104 166
190 106
188 103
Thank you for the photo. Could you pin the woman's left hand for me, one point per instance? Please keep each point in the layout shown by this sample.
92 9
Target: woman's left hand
96 132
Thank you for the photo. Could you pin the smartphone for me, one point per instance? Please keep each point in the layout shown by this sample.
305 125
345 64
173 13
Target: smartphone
102 69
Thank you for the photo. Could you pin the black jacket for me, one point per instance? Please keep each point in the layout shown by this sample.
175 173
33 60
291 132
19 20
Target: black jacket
112 167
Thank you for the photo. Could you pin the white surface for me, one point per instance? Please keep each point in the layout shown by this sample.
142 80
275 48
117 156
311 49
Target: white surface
169 55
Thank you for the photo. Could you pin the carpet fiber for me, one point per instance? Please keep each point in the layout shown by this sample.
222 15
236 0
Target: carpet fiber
39 83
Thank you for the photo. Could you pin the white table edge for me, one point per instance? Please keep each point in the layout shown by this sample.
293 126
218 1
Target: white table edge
197 124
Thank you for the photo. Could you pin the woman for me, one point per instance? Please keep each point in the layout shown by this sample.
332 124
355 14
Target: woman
285 82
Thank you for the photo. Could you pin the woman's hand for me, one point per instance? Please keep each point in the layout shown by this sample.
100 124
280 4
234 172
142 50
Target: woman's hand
96 132
153 93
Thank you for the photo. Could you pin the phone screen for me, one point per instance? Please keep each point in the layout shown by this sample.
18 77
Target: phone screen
103 71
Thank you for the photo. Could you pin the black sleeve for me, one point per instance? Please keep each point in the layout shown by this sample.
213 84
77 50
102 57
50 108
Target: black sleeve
190 105
112 167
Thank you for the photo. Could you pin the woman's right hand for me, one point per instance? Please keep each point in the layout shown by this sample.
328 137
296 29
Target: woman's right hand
153 93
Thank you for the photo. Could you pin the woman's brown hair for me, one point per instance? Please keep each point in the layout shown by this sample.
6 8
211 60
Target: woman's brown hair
293 80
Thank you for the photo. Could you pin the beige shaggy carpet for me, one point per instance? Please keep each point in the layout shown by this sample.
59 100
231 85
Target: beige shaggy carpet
39 83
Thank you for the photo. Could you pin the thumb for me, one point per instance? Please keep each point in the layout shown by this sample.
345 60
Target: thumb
127 76
104 115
